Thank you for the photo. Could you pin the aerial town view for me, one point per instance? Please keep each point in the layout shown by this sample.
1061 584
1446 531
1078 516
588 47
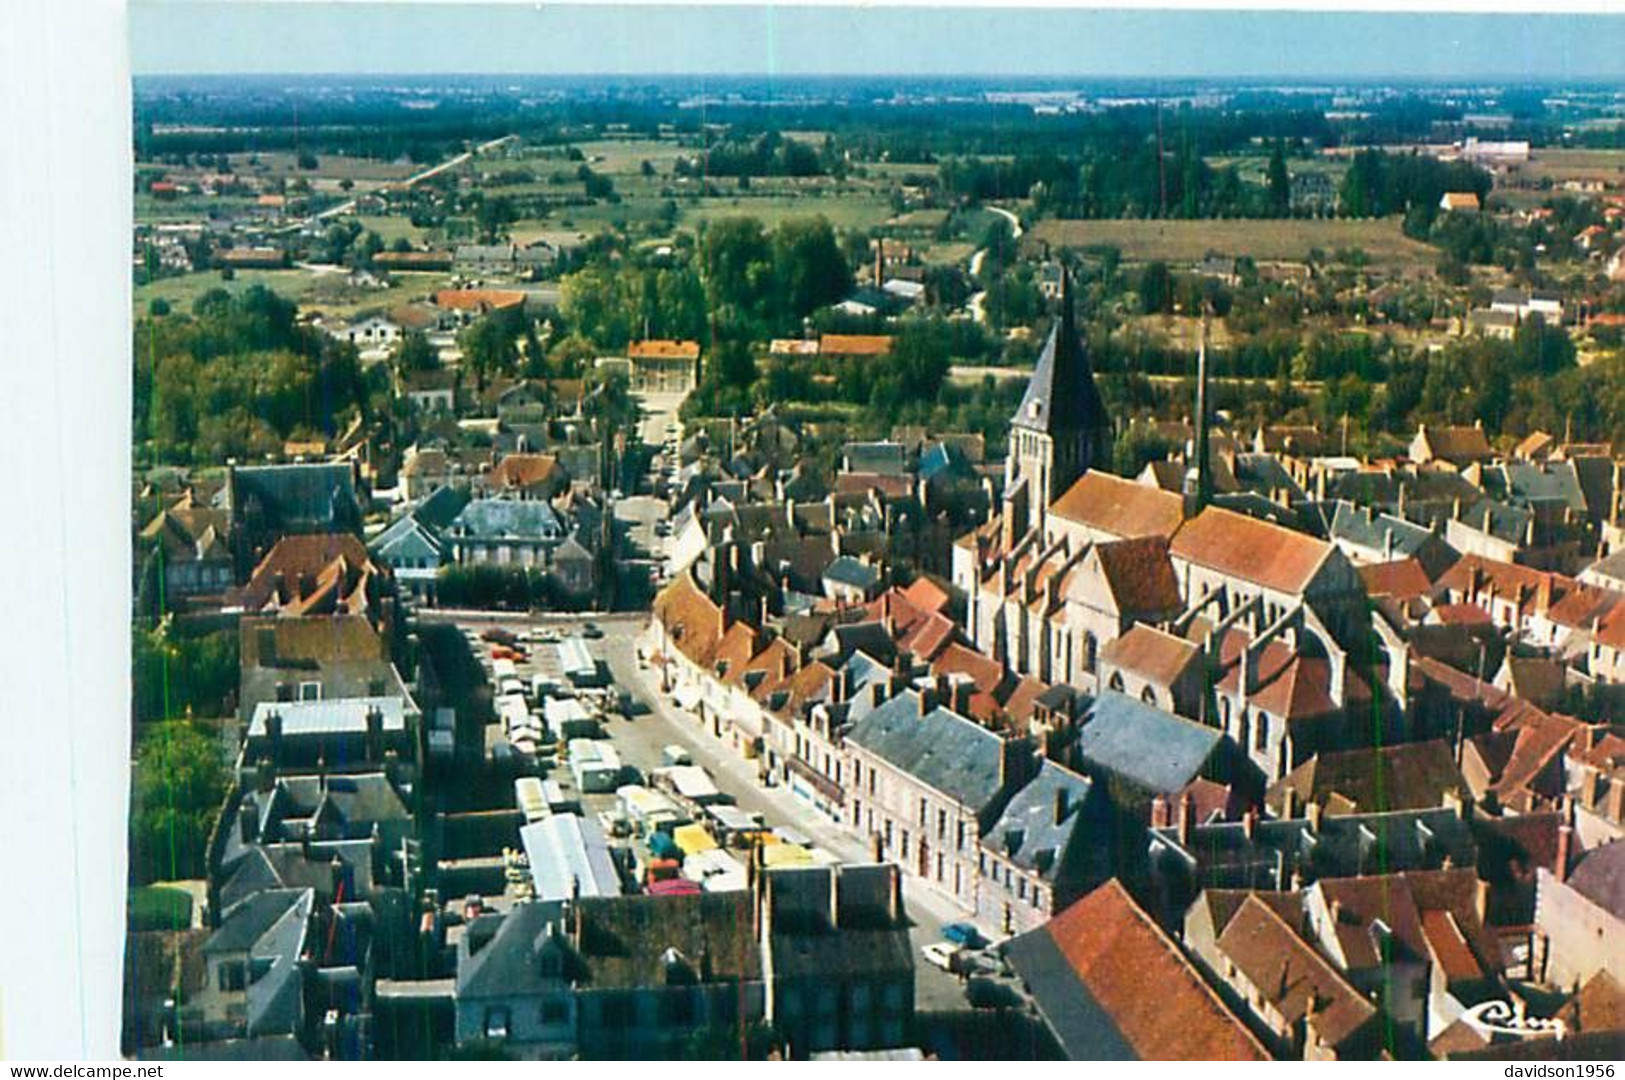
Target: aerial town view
869 566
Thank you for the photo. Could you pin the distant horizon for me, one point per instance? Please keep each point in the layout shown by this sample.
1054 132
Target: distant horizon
212 38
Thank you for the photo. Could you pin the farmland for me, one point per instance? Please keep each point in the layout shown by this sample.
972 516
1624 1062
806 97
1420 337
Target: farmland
1188 241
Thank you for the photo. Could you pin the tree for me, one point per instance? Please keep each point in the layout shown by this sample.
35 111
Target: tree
810 268
1280 184
489 346
1156 289
179 783
414 353
307 161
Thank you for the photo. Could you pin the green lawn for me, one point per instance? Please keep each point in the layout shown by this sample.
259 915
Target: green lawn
160 907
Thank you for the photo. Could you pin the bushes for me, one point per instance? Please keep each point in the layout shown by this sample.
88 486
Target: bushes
516 588
156 907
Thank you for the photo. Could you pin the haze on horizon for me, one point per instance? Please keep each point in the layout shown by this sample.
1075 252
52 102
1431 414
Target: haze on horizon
204 37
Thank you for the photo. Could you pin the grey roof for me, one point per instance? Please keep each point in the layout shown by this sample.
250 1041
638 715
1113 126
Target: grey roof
330 716
1600 877
1367 528
1061 396
1345 845
569 857
1027 832
271 927
854 572
1523 483
498 519
941 749
505 963
407 537
1265 473
1153 749
1082 1027
306 495
1497 519
889 458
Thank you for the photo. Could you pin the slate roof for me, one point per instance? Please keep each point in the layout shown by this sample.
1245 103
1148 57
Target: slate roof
1600 877
297 497
1141 743
1061 397
271 927
1110 985
1343 846
886 458
498 519
845 570
1027 833
625 940
941 749
506 964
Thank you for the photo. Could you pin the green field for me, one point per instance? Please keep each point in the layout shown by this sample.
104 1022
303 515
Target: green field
1291 240
322 292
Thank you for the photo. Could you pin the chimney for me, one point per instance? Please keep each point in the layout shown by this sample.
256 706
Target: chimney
248 822
924 697
1565 847
1481 899
1249 823
375 733
273 733
265 775
1187 818
1312 811
834 897
1160 818
894 896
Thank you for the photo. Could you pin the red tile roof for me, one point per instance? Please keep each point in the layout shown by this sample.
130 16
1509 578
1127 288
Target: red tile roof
1122 508
1402 579
663 349
927 594
690 618
854 344
1139 977
1154 655
1140 575
1290 975
1252 550
478 299
524 471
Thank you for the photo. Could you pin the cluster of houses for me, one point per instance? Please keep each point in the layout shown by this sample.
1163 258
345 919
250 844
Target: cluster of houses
1331 745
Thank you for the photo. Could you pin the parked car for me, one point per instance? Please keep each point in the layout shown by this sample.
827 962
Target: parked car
590 630
498 636
963 934
939 955
985 993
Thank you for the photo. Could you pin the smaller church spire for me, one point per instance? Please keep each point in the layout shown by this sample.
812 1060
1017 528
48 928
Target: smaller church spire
1203 493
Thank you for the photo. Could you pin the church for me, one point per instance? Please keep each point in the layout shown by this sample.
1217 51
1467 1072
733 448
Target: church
1077 557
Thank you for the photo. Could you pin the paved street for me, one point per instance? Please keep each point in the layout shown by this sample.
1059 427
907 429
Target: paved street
641 739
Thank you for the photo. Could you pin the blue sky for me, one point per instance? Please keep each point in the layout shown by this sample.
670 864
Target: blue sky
180 37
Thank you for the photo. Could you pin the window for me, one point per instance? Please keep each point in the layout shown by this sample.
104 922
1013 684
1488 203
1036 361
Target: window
905 843
1148 696
942 824
923 811
496 1023
1021 888
1116 682
1261 737
230 975
310 691
961 844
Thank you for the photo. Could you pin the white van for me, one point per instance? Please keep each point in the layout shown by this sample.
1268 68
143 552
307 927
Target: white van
674 755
